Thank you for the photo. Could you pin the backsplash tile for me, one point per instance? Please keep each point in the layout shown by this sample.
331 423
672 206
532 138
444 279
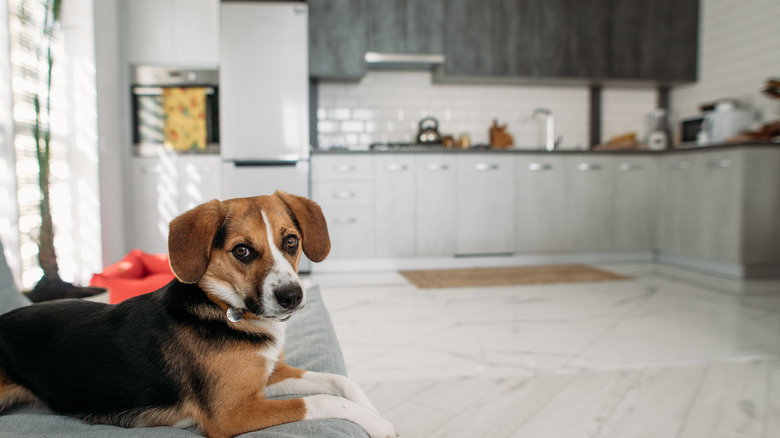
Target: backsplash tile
386 106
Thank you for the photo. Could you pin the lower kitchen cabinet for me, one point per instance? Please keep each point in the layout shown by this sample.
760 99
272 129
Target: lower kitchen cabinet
351 231
486 213
436 198
395 184
719 188
588 193
678 217
164 187
634 209
540 204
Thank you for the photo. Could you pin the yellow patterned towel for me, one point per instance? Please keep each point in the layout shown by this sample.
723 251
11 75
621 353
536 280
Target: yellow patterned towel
185 118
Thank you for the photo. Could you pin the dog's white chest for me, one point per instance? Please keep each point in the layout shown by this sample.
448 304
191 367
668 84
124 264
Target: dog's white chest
271 353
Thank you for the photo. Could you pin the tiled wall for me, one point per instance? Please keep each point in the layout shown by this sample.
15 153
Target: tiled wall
739 48
386 107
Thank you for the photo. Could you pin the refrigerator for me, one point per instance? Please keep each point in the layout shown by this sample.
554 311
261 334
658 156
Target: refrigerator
264 98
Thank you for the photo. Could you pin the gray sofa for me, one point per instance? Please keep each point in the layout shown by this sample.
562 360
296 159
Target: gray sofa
311 345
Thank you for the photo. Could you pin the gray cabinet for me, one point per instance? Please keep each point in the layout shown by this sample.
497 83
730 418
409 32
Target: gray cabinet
436 205
679 205
396 185
404 26
467 42
634 208
337 43
540 210
486 214
720 209
589 188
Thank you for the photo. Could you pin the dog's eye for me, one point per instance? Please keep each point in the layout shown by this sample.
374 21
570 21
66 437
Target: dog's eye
291 243
241 251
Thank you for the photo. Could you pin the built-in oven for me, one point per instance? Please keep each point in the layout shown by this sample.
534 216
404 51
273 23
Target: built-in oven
175 109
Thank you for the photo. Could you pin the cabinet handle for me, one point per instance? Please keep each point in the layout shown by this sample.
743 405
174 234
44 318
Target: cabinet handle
343 168
437 167
344 194
344 221
628 167
538 167
682 165
588 167
483 167
396 167
151 170
719 164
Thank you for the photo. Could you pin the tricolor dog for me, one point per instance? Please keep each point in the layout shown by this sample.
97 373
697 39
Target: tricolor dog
205 349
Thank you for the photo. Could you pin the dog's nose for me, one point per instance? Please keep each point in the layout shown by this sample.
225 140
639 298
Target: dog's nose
290 296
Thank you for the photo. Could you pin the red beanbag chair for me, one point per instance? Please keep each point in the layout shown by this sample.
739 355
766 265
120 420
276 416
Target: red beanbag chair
136 274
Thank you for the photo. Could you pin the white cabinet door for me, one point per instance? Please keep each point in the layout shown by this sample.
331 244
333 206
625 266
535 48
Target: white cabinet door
155 201
197 33
436 205
720 226
486 212
540 204
171 32
589 203
678 215
200 180
634 210
396 185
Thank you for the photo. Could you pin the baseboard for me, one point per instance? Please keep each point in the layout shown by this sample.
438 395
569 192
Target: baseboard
461 261
723 269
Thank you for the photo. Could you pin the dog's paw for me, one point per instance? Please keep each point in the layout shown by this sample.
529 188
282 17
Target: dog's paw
379 427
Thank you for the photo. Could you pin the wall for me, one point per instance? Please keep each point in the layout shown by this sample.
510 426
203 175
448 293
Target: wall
739 48
385 106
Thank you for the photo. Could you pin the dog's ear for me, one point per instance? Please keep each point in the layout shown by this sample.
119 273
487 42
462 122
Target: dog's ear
316 241
190 236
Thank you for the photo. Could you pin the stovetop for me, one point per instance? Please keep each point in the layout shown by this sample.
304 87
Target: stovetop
405 147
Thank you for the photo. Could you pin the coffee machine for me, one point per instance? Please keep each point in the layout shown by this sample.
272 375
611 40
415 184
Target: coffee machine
658 123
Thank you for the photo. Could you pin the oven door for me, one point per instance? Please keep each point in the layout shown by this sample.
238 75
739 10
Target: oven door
149 120
689 130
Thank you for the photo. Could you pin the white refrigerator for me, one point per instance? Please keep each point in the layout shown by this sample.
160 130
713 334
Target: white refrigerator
264 99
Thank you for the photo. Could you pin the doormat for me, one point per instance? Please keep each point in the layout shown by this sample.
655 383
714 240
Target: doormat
519 275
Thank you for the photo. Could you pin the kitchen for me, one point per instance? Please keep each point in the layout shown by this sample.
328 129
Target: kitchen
481 205
440 134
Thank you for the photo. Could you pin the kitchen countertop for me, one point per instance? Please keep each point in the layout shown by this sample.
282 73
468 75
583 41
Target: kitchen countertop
441 150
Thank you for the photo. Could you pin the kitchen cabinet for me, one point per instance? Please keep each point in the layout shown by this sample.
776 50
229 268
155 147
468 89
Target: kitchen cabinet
485 204
678 213
720 209
436 198
634 206
761 204
337 39
405 26
550 38
164 187
171 32
467 41
540 204
589 187
343 186
396 187
654 40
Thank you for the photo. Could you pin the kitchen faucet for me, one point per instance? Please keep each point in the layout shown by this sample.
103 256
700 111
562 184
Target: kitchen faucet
550 142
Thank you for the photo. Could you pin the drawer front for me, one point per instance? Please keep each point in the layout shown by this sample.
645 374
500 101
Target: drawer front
351 232
342 168
343 194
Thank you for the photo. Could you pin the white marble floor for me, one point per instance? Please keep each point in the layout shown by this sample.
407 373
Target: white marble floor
665 354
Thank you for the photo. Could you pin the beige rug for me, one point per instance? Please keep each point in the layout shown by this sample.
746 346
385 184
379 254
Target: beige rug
519 275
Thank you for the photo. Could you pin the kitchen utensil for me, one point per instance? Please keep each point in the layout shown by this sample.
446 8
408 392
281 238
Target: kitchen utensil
429 131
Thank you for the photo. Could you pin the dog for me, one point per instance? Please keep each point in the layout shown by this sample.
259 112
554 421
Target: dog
206 349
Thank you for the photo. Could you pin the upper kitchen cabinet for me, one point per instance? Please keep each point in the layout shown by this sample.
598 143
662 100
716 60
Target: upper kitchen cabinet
654 40
467 44
337 43
405 26
171 32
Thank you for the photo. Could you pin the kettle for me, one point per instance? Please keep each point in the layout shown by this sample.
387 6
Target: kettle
429 131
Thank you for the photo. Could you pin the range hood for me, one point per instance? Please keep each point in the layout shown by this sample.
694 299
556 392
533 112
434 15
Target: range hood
402 61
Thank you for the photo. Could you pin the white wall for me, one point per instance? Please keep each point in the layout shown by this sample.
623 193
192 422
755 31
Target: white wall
385 106
739 48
